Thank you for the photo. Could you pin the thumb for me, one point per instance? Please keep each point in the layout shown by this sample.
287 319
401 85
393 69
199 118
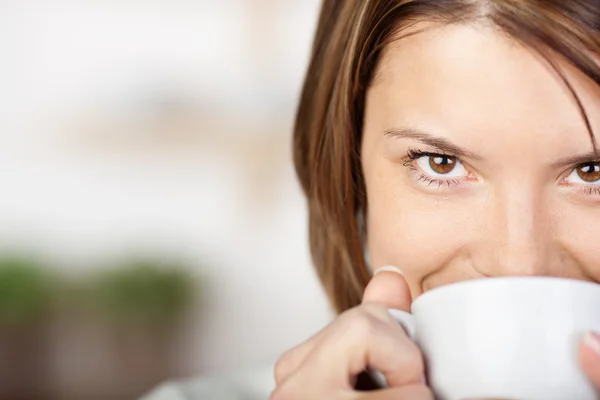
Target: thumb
388 288
589 356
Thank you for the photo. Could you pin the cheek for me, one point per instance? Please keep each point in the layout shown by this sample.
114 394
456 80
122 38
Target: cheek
416 233
579 230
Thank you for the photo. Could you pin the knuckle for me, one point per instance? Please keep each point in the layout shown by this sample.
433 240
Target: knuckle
379 313
375 309
412 363
361 322
414 356
282 367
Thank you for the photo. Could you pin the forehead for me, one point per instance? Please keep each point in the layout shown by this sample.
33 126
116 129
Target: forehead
481 87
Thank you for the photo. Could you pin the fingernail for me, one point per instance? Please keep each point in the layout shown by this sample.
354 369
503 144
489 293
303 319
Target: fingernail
592 340
388 268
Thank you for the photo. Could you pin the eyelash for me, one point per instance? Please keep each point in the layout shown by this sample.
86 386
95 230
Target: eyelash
592 191
413 155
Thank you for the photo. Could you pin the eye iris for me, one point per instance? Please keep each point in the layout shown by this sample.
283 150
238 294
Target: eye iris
442 164
589 172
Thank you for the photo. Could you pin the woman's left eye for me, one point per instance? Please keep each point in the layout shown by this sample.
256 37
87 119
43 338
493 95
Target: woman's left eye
441 166
586 174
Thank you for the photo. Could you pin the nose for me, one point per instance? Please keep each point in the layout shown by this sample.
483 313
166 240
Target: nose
517 236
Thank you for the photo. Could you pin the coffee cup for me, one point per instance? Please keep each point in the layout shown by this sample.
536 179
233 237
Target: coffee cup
511 338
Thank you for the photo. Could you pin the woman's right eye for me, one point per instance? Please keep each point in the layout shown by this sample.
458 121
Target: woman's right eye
434 169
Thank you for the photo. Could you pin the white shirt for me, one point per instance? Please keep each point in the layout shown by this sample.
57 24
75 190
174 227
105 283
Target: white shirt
255 384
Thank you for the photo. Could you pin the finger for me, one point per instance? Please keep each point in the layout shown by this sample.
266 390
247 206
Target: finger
389 288
363 339
411 392
291 360
589 356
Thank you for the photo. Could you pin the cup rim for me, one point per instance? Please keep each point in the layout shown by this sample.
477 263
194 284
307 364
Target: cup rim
461 285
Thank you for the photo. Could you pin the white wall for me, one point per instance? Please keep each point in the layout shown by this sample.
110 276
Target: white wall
89 169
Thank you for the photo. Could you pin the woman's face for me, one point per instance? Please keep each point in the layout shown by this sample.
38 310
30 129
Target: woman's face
478 163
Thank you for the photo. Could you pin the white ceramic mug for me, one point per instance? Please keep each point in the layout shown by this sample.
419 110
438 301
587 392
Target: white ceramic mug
511 338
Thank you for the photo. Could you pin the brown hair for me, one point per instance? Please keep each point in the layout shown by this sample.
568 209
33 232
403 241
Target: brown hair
349 40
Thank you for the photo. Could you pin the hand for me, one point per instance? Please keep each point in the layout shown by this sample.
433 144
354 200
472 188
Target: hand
325 366
589 356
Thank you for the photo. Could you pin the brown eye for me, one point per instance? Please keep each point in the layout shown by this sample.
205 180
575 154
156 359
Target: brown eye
442 164
589 172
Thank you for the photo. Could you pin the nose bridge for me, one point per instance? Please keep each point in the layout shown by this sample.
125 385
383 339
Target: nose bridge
519 233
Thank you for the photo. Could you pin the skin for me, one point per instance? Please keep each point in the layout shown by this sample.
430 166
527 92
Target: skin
513 214
509 206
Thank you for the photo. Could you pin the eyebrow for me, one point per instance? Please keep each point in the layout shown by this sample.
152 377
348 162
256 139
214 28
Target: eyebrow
592 156
446 146
439 143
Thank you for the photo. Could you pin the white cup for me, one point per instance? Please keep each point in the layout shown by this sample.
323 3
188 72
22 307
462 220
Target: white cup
511 338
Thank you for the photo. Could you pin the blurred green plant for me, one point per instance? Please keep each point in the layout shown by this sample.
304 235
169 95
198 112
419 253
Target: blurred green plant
26 290
142 291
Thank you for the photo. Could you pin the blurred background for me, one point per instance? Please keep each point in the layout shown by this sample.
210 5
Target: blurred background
151 226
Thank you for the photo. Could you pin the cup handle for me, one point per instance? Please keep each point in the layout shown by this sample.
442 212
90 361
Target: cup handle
407 320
